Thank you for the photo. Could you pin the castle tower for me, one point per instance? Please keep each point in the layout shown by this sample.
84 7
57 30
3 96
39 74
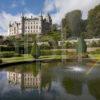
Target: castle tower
48 18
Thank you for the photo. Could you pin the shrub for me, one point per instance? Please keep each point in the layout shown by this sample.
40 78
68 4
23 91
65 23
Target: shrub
81 46
6 48
8 54
93 44
35 52
69 45
44 46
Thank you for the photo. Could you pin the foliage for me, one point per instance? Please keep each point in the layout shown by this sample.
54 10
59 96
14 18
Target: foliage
94 88
81 45
70 45
72 86
45 46
35 52
95 44
51 38
8 54
72 23
6 48
93 26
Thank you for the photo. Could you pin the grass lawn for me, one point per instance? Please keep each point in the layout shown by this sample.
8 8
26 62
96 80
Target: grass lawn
29 57
16 59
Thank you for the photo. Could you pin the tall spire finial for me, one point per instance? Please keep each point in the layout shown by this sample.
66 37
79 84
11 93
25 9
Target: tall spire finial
41 13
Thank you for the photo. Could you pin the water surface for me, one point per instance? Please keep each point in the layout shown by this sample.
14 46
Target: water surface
51 81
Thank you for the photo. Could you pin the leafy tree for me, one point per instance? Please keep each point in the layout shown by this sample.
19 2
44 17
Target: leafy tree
54 27
71 24
93 26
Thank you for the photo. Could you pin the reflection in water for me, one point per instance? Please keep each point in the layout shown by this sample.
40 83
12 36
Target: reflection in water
25 80
50 81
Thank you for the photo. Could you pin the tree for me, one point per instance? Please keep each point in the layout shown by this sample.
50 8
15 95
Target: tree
35 52
93 26
71 24
54 27
81 46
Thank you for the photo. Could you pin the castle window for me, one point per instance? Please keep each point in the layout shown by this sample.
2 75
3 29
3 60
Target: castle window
36 27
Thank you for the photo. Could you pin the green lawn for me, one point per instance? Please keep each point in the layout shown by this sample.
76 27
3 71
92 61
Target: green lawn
29 57
16 59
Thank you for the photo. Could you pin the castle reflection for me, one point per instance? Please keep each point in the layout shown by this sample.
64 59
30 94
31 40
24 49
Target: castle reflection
24 80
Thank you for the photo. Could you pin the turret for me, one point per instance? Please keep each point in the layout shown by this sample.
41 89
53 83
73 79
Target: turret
48 18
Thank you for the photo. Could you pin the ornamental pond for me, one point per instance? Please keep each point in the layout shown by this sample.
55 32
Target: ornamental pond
51 81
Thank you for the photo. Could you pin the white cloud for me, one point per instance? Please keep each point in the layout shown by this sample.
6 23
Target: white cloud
49 6
6 18
65 6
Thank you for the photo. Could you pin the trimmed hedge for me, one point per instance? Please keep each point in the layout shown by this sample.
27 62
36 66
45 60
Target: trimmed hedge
6 48
21 49
8 54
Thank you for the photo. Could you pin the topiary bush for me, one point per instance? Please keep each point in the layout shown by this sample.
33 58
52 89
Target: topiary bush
35 52
81 46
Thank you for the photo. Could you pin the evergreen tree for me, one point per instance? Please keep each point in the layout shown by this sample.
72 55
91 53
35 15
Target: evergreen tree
35 52
81 46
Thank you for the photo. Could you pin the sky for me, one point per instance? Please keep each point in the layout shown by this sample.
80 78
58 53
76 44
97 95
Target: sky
11 10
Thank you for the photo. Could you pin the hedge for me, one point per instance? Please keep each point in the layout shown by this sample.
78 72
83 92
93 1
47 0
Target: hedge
6 48
12 49
8 54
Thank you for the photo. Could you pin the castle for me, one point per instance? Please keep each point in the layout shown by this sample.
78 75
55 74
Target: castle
38 25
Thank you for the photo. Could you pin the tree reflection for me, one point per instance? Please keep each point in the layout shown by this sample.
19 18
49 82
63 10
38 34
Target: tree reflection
72 86
94 88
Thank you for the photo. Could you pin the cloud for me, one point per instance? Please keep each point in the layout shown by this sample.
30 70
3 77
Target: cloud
65 6
49 6
6 18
